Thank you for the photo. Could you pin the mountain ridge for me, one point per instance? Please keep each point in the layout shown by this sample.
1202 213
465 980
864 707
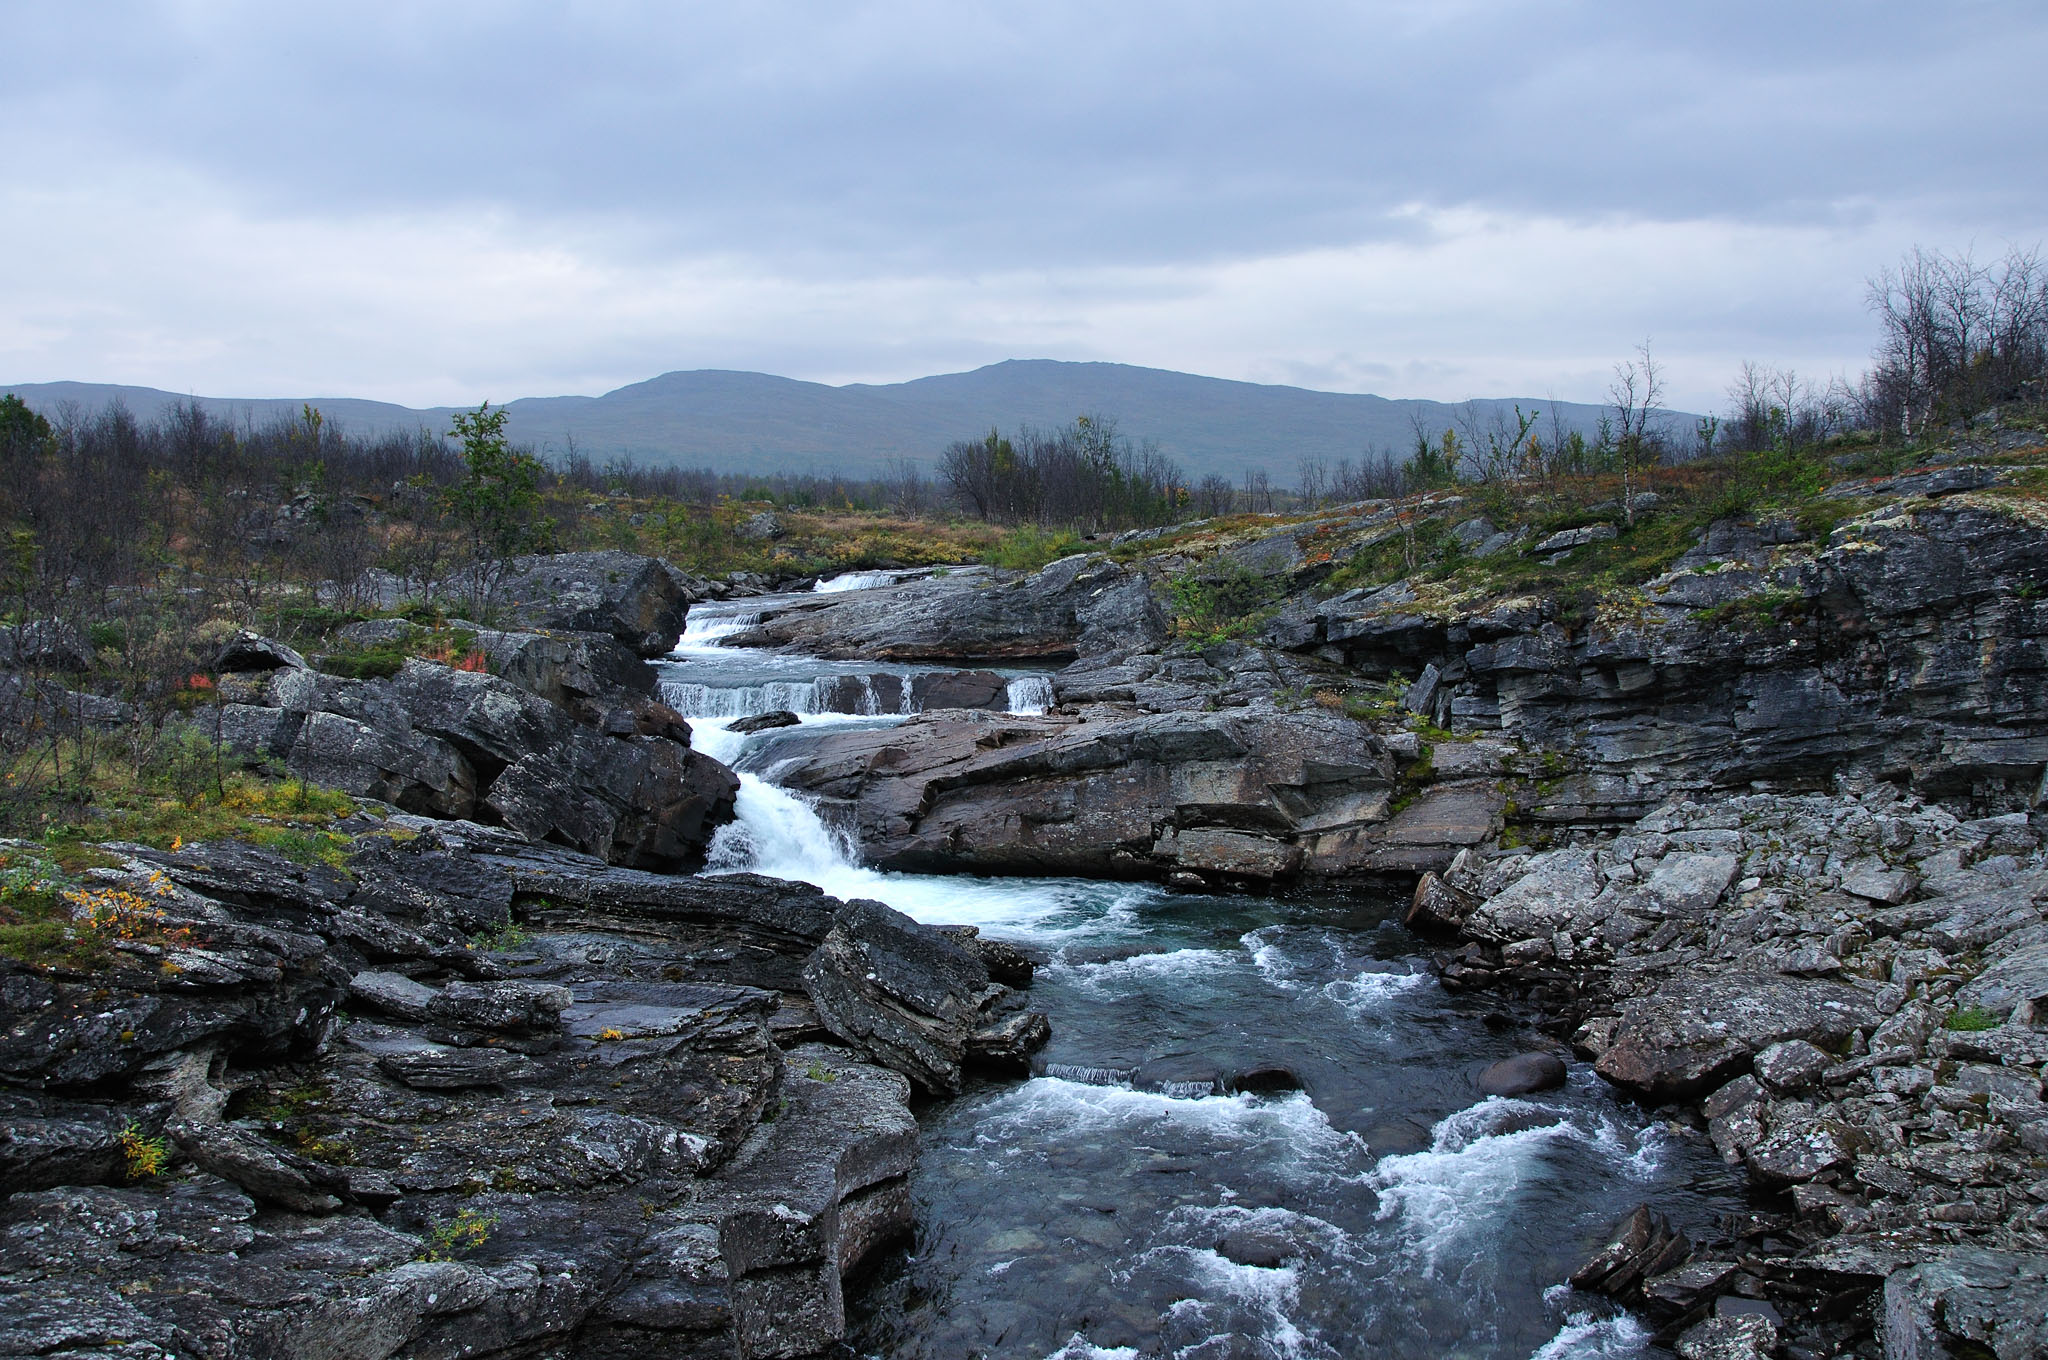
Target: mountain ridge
737 420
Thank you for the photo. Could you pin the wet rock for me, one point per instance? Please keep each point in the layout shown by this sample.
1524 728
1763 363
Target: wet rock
1644 1245
1799 1150
1690 1285
1431 831
1006 1042
1550 896
763 722
1522 1074
45 1142
427 1066
1889 886
647 803
900 992
513 1007
265 1171
416 772
1690 884
1006 963
2018 979
1075 606
1260 1248
566 668
1437 906
1743 1336
1968 1299
640 601
1251 794
819 1194
959 689
392 993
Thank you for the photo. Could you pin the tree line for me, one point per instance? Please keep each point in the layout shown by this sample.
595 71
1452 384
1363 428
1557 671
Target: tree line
1083 475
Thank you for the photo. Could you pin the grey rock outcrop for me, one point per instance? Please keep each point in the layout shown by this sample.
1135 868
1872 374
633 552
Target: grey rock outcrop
1241 795
1075 606
638 600
460 744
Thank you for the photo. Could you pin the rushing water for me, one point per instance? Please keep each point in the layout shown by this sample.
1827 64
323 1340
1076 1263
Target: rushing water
1255 1132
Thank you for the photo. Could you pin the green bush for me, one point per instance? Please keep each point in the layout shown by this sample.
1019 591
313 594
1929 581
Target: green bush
381 664
1028 547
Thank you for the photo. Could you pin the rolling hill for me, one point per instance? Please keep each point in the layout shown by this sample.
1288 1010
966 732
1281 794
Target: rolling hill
755 422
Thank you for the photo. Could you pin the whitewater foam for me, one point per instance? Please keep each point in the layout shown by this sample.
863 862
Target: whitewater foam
1119 974
855 580
1586 1337
1029 694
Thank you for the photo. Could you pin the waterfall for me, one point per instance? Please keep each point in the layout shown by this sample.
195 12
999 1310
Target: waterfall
775 832
693 700
706 626
1031 694
854 580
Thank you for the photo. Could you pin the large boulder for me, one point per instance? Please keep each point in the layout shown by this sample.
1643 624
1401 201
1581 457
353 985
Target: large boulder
905 994
639 600
1969 1300
1698 1030
644 802
563 668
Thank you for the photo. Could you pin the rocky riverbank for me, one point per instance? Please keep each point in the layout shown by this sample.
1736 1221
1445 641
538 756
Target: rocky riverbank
469 1089
469 1095
1748 820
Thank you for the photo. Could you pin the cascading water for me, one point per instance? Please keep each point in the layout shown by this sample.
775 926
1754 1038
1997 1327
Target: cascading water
856 580
1030 694
1157 1189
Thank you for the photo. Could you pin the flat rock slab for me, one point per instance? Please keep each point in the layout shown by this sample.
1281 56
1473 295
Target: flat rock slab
1993 1302
2017 978
1696 1032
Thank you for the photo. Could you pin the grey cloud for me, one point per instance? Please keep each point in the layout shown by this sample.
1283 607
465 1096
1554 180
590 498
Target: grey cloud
921 137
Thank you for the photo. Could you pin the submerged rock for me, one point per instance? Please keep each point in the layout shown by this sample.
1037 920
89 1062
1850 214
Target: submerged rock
1522 1074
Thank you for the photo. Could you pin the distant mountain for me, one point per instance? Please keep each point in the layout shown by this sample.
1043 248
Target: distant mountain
754 422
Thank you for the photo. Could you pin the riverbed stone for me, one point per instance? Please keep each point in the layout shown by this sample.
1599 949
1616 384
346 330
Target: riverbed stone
1522 1074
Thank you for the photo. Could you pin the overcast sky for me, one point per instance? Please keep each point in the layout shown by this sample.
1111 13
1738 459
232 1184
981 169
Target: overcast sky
441 203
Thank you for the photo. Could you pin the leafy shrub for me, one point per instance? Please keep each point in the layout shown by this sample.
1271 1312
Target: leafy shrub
1219 602
1971 1019
1028 547
141 1155
454 1238
378 664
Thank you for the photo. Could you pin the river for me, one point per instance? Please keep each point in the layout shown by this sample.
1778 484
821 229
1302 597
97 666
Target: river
1255 1132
